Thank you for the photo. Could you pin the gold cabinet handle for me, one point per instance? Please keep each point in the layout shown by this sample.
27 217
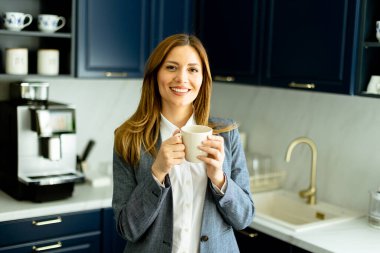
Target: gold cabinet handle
116 74
224 78
302 85
47 222
251 235
47 247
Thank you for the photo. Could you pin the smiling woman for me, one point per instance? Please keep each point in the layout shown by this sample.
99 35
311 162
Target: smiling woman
161 202
180 75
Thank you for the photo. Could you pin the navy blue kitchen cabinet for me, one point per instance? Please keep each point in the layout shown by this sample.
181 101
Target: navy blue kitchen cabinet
115 37
73 232
112 242
311 44
170 17
230 32
369 47
250 240
112 38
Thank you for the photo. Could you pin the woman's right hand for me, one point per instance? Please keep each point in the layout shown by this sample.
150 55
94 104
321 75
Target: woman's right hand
172 152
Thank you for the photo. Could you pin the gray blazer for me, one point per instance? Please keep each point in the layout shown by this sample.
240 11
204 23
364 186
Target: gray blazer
144 210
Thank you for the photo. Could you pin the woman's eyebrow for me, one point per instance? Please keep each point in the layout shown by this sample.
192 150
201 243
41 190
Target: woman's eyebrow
172 62
176 63
194 64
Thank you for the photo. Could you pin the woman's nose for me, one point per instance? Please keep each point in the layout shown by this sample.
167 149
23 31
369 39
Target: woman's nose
181 76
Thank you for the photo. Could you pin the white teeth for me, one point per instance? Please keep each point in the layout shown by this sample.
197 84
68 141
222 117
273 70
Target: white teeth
180 90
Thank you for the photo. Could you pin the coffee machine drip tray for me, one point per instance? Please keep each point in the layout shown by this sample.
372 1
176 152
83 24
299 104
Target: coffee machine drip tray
52 179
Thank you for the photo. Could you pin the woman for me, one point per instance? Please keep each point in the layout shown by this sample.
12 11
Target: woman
161 202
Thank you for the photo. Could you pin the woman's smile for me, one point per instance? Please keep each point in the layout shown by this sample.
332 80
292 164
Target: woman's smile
180 90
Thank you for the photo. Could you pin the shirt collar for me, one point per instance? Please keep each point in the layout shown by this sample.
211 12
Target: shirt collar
167 128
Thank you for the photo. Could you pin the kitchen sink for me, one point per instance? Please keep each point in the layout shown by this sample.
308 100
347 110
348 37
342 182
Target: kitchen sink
288 210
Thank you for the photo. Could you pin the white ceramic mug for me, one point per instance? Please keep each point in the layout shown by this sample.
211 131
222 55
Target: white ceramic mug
16 61
50 23
48 62
16 21
192 137
374 85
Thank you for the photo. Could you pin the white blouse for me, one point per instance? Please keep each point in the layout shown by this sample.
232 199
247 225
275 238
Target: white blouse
188 182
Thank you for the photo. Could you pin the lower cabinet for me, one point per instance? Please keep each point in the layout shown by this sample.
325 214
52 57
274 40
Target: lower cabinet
70 232
112 242
250 240
87 231
95 231
87 242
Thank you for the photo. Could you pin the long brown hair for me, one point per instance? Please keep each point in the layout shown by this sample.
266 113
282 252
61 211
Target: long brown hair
143 127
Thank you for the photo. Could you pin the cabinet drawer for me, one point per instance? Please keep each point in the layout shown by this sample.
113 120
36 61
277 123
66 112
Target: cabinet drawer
52 226
87 242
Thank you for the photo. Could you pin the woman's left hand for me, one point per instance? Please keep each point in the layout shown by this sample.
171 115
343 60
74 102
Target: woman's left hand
214 147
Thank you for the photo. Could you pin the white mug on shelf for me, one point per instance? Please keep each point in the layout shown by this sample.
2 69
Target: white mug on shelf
16 21
50 23
374 85
16 61
48 62
378 30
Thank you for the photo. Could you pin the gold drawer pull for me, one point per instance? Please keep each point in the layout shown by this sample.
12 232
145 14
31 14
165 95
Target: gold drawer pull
47 222
116 74
251 235
302 85
43 248
224 78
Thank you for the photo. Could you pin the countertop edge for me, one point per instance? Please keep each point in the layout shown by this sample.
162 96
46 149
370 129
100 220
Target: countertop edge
85 197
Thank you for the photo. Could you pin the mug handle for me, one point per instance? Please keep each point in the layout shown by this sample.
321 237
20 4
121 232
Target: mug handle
63 22
30 18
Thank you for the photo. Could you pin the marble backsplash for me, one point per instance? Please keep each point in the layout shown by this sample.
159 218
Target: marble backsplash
344 128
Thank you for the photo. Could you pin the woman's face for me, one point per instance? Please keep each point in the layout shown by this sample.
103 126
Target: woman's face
180 77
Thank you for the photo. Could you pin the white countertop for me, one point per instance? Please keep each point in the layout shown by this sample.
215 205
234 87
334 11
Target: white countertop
85 197
354 236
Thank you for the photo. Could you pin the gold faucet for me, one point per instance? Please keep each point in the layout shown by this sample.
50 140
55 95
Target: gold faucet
311 192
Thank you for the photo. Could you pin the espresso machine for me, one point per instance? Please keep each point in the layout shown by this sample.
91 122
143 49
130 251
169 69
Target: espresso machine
37 145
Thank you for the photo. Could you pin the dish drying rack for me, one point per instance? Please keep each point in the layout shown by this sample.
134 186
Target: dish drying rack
267 181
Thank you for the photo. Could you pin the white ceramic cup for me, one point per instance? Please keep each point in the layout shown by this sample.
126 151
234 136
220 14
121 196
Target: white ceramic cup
16 21
374 85
16 61
50 23
48 62
192 137
378 30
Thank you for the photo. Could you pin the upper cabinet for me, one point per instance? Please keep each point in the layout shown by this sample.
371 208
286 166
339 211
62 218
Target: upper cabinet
115 37
112 38
32 38
294 44
230 32
369 50
311 44
169 17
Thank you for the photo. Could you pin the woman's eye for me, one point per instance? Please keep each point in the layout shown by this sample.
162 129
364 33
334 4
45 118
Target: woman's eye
171 68
195 70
